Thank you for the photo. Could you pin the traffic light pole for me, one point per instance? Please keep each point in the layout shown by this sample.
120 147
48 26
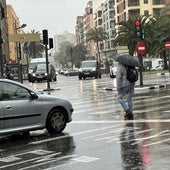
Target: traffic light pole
141 48
45 42
140 57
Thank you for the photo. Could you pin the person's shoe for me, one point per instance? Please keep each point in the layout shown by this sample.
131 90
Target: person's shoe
127 113
130 116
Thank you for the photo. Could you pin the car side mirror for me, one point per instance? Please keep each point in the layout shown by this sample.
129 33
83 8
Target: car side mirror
33 95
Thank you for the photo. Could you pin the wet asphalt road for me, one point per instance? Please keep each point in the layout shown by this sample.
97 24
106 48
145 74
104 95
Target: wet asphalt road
98 138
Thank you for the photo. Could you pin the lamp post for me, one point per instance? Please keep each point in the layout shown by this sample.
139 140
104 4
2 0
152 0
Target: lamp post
19 58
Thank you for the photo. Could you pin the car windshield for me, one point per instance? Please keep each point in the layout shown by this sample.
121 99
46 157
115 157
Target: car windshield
41 67
88 64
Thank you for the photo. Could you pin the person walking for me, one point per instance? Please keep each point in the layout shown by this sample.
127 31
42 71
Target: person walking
125 91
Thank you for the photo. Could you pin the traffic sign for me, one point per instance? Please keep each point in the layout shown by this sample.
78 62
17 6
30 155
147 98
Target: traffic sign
24 37
141 48
167 44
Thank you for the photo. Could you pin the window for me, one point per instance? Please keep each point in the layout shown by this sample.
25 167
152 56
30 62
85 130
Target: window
146 12
9 91
145 2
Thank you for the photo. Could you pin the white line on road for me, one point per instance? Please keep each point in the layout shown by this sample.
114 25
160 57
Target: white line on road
120 121
74 134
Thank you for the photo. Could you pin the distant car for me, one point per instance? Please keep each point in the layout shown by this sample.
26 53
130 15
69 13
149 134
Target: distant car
158 67
23 109
89 68
113 70
71 72
32 64
39 73
62 71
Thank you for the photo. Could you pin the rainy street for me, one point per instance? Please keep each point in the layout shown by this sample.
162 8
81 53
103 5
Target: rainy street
98 137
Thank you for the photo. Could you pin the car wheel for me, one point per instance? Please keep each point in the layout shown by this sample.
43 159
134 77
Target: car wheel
26 134
56 121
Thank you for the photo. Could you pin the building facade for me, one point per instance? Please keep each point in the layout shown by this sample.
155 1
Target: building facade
13 24
4 47
89 24
60 38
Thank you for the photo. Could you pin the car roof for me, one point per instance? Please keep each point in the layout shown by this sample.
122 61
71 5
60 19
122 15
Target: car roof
17 83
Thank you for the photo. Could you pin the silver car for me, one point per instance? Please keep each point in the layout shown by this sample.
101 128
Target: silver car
23 109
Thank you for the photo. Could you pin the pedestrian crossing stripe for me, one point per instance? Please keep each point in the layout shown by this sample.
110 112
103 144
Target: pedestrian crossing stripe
10 159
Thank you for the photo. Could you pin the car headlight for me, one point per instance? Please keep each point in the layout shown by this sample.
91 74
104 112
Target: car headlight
46 74
94 69
33 74
80 70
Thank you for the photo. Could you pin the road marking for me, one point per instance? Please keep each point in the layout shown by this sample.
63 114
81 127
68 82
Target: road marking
66 136
158 142
41 152
101 134
47 162
85 159
119 121
9 159
28 160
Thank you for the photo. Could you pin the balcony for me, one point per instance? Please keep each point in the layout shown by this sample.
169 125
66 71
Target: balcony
158 2
133 3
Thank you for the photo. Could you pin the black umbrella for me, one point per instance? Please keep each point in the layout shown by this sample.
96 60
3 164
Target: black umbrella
127 59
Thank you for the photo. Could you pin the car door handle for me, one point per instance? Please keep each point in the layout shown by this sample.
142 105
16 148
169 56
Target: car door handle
8 107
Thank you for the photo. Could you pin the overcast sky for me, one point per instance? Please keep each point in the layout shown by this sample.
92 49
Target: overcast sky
56 16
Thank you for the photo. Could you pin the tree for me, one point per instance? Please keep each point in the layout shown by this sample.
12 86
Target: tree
33 49
79 54
126 35
97 35
161 34
63 55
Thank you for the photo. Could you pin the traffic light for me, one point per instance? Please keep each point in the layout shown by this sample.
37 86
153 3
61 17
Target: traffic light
45 37
138 29
50 43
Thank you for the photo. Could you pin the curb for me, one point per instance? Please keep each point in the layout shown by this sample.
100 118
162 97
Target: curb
142 88
161 74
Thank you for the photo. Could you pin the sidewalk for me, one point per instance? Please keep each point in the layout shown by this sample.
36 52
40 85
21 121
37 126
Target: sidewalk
163 81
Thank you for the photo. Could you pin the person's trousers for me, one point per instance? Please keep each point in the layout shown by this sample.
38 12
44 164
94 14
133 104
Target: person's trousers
125 97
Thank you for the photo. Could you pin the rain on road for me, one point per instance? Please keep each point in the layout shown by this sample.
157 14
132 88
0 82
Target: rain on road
98 138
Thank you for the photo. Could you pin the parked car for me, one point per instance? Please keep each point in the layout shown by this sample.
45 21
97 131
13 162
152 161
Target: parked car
23 109
113 70
40 73
158 67
72 72
89 68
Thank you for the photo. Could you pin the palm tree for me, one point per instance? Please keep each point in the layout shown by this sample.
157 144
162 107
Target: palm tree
97 35
127 34
33 49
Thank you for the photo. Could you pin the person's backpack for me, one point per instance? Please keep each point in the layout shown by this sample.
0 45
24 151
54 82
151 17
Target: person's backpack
132 74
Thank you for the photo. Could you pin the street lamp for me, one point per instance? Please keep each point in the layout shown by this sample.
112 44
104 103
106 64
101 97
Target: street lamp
19 54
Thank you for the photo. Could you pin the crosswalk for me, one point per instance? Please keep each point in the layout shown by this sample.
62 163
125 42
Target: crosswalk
98 123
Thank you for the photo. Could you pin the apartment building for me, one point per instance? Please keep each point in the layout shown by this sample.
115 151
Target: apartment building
83 25
108 13
108 24
89 24
13 25
126 9
4 47
60 38
80 30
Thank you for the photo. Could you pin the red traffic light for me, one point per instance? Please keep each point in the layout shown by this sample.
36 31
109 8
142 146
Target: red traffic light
137 23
